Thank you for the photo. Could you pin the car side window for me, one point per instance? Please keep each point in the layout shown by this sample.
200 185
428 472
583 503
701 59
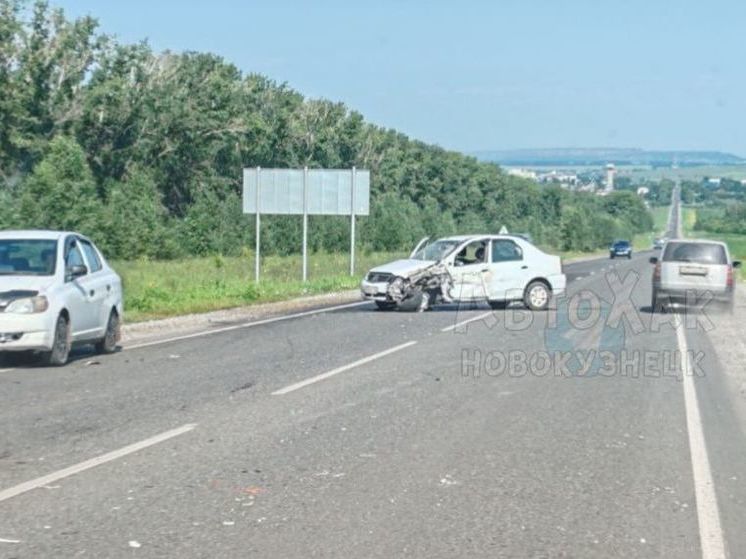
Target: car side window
73 257
94 262
504 250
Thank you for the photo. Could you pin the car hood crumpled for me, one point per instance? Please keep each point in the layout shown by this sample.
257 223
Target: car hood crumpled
404 268
24 283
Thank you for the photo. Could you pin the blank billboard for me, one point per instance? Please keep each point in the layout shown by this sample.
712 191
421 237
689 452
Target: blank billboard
329 191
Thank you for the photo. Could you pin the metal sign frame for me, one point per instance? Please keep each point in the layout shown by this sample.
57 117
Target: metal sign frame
305 192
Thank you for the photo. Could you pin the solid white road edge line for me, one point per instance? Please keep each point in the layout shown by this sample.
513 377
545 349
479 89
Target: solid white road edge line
465 322
708 516
3 540
244 325
93 462
342 369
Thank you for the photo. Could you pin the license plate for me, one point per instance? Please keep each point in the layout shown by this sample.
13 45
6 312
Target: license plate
370 290
692 271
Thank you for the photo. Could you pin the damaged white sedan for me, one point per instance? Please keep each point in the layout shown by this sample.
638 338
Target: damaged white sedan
496 269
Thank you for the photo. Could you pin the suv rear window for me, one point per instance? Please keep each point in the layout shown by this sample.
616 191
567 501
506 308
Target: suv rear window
699 253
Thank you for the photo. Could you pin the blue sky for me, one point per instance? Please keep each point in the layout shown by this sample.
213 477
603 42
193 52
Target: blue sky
483 75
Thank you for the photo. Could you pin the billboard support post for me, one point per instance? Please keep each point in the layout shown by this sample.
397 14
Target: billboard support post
352 224
305 224
258 245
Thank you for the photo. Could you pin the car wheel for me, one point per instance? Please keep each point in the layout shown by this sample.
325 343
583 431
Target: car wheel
659 303
108 344
61 344
537 296
498 305
412 303
611 256
629 256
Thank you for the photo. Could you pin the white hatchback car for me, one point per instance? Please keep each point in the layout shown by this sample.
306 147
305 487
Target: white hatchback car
56 290
693 272
497 269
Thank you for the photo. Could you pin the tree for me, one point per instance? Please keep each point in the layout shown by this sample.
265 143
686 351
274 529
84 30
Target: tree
133 219
60 193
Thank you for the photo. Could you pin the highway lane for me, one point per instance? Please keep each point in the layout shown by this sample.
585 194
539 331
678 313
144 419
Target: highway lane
404 454
99 403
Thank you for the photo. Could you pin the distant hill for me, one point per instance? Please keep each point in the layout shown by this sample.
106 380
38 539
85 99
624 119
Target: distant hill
601 156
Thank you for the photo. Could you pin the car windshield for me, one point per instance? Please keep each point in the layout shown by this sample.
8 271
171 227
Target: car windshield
28 257
698 253
437 250
621 244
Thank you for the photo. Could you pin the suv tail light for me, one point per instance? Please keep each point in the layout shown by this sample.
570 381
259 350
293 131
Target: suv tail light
657 272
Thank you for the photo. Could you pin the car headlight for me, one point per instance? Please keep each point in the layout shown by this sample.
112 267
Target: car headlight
28 305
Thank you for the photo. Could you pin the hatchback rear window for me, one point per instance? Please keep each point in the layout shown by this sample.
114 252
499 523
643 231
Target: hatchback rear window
698 253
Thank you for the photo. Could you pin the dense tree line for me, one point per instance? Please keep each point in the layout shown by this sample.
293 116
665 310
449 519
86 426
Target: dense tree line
143 151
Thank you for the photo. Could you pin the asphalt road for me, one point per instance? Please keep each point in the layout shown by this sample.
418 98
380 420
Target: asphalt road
360 433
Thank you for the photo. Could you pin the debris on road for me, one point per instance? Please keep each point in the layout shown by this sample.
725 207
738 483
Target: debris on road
448 480
134 543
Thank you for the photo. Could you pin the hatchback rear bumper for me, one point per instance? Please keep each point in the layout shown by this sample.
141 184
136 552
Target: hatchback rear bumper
694 296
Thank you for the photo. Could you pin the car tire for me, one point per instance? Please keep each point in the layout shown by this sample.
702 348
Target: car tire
659 303
537 296
60 352
611 256
412 303
385 305
498 305
108 344
629 256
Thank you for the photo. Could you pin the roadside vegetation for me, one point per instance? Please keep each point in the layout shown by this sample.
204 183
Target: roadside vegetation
157 289
693 228
716 210
644 241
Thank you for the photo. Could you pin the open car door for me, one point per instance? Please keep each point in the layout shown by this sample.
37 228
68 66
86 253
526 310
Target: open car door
419 245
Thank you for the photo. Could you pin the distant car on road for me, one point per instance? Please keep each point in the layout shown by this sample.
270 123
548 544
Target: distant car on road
56 290
693 272
658 243
620 248
497 269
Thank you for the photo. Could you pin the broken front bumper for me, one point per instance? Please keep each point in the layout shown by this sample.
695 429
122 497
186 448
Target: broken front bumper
374 291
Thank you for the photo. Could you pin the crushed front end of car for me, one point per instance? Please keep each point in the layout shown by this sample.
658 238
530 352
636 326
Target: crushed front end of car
415 289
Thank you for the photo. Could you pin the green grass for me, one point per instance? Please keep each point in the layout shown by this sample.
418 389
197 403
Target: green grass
157 289
736 243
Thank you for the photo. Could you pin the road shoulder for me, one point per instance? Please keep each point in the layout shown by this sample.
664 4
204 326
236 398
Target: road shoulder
152 330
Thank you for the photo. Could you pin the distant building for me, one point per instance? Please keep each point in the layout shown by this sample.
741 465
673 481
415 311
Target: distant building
610 174
643 191
563 178
523 173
